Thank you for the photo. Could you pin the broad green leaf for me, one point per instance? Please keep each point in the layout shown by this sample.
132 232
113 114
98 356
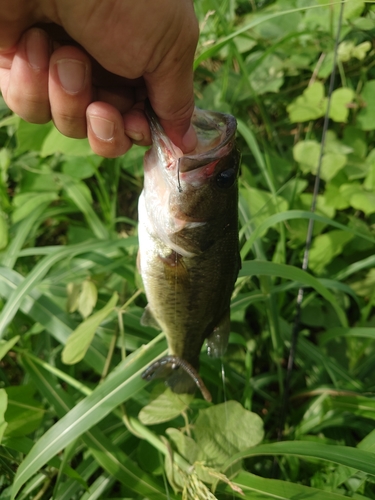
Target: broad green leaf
363 461
87 298
119 386
12 120
185 445
332 163
268 76
261 204
345 51
364 201
79 341
73 291
55 142
218 433
3 408
164 408
309 106
306 153
339 109
354 9
6 346
80 167
259 268
325 247
360 50
334 197
366 116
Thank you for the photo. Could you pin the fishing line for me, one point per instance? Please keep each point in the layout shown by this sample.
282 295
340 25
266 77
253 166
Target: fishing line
305 262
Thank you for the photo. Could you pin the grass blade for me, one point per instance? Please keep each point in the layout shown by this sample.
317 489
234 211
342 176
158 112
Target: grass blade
121 385
106 454
75 194
334 333
40 270
23 230
363 461
256 487
259 267
296 214
214 49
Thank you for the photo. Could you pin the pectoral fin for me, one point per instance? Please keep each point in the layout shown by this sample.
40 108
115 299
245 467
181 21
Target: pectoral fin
218 340
148 319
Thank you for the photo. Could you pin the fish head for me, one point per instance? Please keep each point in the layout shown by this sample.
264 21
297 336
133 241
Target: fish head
186 191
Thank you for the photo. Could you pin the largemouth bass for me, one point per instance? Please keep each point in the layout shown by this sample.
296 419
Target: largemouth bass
188 243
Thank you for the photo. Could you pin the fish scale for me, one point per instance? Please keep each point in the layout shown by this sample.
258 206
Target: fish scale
188 242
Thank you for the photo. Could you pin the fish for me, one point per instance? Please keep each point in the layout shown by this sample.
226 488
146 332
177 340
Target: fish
188 244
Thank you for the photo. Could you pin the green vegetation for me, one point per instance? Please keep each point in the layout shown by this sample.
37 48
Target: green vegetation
76 419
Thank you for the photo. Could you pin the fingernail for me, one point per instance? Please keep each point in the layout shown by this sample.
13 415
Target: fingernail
71 75
37 49
134 136
189 141
102 128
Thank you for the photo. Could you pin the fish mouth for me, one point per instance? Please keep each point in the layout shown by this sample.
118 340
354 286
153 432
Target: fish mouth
216 136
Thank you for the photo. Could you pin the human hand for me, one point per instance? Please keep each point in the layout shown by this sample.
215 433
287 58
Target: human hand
91 70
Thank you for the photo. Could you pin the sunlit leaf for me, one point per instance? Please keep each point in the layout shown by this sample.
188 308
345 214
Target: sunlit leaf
219 435
87 298
325 247
164 408
79 341
55 142
309 106
339 109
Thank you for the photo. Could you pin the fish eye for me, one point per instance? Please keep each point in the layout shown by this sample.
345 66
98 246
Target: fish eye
226 178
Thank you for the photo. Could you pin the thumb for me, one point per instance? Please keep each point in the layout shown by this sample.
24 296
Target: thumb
170 89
